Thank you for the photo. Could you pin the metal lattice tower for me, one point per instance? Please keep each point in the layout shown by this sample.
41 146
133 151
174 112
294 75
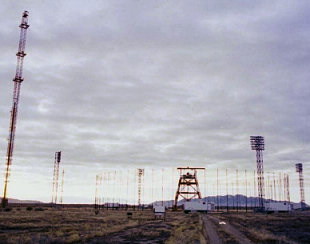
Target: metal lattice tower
62 185
257 144
56 177
140 183
18 79
287 188
96 195
299 170
188 186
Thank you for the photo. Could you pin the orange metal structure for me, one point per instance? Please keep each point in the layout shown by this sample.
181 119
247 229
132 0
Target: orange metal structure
188 186
18 79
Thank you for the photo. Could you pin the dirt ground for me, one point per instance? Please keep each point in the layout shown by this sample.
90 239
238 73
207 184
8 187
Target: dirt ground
263 228
82 225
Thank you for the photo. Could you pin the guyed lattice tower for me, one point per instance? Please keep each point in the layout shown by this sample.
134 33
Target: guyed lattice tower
56 177
299 170
287 188
188 186
18 79
62 186
140 184
258 144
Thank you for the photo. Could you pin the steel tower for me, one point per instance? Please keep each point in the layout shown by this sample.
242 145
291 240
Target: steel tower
56 177
301 184
287 188
188 186
18 79
140 184
62 185
257 143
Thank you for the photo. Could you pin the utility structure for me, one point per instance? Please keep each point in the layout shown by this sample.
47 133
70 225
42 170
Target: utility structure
18 79
62 185
287 188
56 177
188 186
140 184
299 170
97 202
258 144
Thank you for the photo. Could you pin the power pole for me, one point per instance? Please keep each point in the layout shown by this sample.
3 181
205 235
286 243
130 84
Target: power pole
257 144
62 186
237 187
18 79
96 195
140 185
274 187
287 188
217 189
246 191
226 191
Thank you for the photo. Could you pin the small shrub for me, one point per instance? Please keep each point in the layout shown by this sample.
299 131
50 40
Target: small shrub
29 208
74 238
8 209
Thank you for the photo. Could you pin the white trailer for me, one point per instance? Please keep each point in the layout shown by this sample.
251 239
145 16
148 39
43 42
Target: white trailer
278 207
197 207
159 212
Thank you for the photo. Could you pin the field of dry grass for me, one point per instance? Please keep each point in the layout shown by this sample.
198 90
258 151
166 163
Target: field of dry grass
267 228
82 225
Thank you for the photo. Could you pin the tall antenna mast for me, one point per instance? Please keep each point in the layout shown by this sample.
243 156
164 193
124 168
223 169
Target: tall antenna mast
18 79
56 177
287 188
301 184
62 185
258 144
140 183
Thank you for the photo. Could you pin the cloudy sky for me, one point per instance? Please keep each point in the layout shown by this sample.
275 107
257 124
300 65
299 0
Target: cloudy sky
127 84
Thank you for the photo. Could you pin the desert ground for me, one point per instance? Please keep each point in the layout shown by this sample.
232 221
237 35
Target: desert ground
43 224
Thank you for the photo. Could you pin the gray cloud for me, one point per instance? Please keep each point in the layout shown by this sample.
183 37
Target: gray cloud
133 83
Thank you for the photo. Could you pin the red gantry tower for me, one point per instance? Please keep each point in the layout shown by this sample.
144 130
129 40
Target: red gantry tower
18 79
188 186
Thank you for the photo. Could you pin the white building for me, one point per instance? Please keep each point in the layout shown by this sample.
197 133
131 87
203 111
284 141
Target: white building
296 206
278 207
192 206
159 211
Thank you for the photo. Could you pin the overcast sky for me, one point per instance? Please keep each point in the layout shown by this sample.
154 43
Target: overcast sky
127 84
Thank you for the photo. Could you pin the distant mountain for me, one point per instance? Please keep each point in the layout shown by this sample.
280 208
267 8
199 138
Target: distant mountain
12 200
233 201
236 200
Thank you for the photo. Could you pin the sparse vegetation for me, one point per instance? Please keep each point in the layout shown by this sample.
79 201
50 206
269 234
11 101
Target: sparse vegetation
186 228
39 209
82 225
70 225
272 228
